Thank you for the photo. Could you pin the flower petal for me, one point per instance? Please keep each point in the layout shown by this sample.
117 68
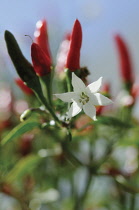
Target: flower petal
74 109
102 100
90 110
94 86
67 97
77 84
93 99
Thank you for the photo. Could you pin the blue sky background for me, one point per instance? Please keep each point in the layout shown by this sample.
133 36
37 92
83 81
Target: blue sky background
100 20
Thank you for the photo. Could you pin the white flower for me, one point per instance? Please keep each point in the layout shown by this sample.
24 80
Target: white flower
124 99
83 97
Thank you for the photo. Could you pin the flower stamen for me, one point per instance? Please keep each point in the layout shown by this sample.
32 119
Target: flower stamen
83 98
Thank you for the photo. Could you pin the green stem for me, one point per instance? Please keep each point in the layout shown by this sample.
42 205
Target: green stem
79 201
47 83
110 146
68 78
88 182
132 202
43 101
74 160
121 195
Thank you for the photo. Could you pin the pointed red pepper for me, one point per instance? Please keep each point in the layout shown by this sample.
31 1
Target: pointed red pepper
41 37
23 87
73 58
41 62
126 69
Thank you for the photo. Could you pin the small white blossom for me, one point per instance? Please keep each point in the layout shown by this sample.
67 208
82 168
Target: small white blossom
83 97
124 99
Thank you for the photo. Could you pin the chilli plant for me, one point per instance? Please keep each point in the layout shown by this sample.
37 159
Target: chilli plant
67 149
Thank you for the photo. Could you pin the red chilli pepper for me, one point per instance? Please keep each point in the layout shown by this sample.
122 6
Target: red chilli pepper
23 87
41 62
73 58
41 37
126 69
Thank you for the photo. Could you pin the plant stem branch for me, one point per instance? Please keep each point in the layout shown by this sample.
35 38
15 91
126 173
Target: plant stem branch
132 201
79 201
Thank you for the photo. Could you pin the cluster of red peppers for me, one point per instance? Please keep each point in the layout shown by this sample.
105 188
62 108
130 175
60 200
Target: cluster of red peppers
41 55
42 59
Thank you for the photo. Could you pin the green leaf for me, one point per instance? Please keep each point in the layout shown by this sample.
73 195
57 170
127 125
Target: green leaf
24 166
111 121
19 130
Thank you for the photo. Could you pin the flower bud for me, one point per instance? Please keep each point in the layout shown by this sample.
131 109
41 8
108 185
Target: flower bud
73 58
25 115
